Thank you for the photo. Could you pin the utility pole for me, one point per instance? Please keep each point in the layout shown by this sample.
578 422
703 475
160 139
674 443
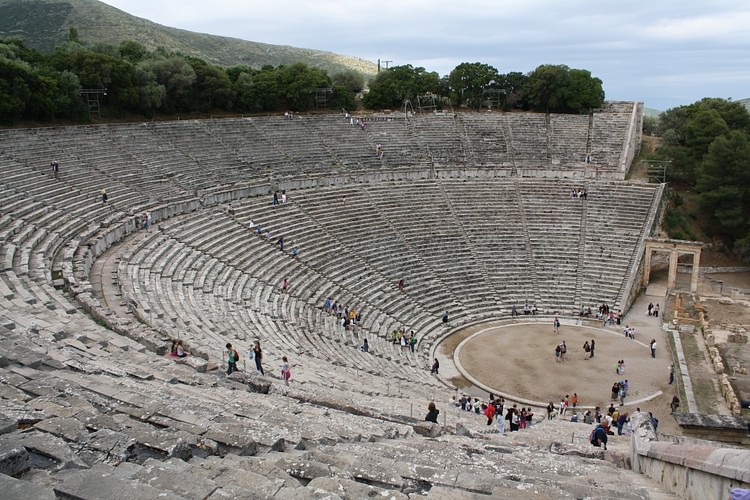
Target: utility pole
385 62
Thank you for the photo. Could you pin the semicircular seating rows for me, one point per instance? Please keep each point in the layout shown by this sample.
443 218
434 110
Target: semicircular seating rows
444 209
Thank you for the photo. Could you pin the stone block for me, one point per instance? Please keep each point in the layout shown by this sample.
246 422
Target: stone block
69 429
7 424
428 429
346 488
231 442
253 381
53 448
176 476
98 484
16 489
14 459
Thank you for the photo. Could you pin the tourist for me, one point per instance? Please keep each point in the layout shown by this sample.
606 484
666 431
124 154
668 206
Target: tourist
286 372
593 345
675 403
105 196
621 422
599 436
489 412
401 286
258 357
515 420
445 318
615 391
653 348
232 358
500 420
671 374
586 350
563 405
432 413
550 410
180 350
412 340
650 308
435 367
365 346
574 400
656 311
56 169
285 285
556 325
275 198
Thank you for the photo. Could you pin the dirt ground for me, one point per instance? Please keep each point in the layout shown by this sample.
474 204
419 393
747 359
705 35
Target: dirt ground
520 360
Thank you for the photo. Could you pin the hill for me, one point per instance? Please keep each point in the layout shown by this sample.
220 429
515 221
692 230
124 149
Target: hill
43 24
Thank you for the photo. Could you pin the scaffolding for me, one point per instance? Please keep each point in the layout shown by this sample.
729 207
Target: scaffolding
92 97
321 97
494 97
426 103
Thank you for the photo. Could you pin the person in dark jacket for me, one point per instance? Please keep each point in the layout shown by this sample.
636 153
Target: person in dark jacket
432 413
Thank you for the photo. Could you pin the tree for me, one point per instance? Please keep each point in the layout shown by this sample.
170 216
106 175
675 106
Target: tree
724 185
559 89
350 80
514 84
174 74
132 51
688 131
391 87
211 88
297 83
468 80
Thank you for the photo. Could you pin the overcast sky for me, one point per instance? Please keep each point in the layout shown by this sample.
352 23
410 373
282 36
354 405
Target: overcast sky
663 52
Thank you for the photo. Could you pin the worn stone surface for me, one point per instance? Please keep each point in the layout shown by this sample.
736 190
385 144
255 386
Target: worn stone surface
14 458
98 484
346 488
16 489
428 429
253 381
48 446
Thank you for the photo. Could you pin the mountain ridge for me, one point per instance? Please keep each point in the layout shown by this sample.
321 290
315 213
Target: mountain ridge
44 24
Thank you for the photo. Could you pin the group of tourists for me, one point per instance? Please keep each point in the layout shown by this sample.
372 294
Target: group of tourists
350 319
405 340
505 417
256 355
620 390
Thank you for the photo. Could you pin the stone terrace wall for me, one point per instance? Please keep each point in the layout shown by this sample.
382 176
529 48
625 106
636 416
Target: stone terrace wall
691 471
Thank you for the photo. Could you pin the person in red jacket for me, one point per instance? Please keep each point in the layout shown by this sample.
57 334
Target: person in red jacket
489 412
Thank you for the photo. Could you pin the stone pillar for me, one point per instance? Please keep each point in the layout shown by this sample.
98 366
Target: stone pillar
696 268
671 279
647 265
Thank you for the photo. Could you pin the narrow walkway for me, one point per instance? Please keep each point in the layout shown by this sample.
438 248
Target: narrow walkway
686 384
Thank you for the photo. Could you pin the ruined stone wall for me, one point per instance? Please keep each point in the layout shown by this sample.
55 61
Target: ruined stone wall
690 471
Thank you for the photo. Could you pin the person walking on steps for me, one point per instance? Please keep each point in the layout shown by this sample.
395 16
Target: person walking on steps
232 358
